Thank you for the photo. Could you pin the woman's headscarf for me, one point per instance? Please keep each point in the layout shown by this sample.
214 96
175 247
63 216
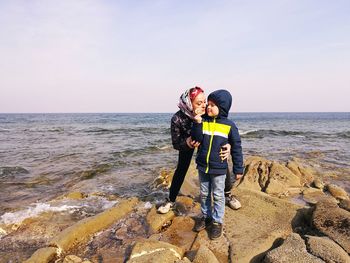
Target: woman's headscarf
185 101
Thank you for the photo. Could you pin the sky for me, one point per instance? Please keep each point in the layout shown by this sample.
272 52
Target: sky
139 56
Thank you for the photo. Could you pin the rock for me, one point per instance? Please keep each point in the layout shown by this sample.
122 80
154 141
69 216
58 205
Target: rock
293 249
43 255
72 259
326 249
334 222
318 183
157 221
155 252
81 231
204 255
74 195
337 192
254 228
313 195
281 177
256 173
219 247
184 260
180 233
345 204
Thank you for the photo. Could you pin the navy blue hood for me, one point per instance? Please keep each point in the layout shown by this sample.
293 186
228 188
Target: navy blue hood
223 99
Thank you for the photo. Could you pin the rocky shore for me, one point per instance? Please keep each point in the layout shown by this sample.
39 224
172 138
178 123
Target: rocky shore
290 213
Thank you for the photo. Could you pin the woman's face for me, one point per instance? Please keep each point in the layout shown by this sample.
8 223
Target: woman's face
199 104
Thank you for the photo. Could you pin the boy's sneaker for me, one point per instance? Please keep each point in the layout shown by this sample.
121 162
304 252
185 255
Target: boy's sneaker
215 230
202 223
166 207
232 202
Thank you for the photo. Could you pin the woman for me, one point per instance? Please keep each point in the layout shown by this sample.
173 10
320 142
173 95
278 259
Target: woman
191 103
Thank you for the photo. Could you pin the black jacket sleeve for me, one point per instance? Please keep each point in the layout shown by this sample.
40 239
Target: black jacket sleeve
196 132
236 150
177 137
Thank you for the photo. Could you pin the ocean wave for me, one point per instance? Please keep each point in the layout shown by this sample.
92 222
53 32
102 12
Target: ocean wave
12 170
19 216
345 134
90 205
269 133
127 130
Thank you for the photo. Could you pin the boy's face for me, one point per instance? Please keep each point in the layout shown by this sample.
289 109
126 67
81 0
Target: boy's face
212 109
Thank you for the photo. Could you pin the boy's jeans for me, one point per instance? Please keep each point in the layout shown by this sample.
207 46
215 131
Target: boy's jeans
212 184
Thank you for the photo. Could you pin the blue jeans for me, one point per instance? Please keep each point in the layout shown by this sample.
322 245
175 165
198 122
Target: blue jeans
212 185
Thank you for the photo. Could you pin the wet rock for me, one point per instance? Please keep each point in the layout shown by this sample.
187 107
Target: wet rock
318 183
186 206
74 196
334 222
293 249
179 233
345 204
204 255
157 221
326 249
219 247
163 180
12 170
81 231
43 255
337 192
156 252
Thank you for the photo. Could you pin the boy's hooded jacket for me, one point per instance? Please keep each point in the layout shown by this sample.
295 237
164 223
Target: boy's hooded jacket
214 133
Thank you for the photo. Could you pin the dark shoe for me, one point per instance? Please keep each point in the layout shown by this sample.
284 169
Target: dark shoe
215 230
202 223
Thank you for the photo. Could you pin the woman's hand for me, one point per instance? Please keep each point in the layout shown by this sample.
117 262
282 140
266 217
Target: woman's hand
191 143
225 151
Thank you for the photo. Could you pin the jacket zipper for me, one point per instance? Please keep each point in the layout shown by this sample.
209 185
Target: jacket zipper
210 145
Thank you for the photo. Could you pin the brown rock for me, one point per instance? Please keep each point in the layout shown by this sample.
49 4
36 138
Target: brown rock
293 249
157 221
155 251
261 220
72 259
256 173
337 192
43 255
313 195
204 255
345 204
219 247
334 222
318 183
326 249
180 233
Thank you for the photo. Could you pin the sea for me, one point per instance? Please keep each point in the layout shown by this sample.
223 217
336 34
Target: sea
43 156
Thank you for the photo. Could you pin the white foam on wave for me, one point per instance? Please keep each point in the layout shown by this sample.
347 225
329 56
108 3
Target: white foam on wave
247 132
19 216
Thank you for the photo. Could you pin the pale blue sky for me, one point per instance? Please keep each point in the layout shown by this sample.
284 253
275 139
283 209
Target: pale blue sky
139 56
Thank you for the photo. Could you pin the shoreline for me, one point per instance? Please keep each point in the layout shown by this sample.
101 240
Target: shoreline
37 232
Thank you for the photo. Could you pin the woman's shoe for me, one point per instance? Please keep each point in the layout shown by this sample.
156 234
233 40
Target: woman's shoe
232 202
166 207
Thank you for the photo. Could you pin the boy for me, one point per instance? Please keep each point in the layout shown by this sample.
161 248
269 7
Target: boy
213 131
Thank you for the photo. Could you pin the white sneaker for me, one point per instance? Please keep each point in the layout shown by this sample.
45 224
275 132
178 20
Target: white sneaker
232 202
165 208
